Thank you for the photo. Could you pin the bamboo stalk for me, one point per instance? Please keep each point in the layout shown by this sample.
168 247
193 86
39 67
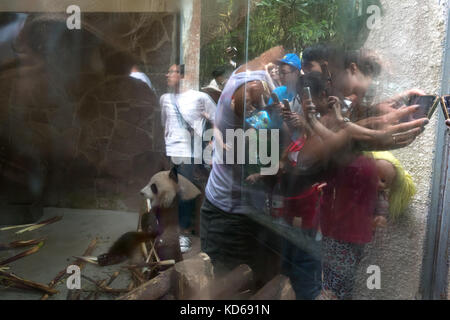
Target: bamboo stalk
99 283
151 264
17 227
15 280
22 254
153 251
103 283
73 294
26 226
78 262
40 224
19 244
144 251
138 276
110 281
102 288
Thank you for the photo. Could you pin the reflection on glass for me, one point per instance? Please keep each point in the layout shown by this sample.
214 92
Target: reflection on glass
261 133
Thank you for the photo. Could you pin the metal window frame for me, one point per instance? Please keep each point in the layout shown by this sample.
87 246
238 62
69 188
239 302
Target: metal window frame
434 282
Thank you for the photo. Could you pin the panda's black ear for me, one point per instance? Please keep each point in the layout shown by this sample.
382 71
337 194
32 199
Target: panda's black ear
173 174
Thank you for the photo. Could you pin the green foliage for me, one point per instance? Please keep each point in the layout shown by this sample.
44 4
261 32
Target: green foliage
294 24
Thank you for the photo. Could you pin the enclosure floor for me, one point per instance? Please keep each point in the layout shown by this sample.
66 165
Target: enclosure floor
67 238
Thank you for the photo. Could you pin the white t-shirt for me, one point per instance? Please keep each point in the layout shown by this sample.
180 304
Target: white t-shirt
193 106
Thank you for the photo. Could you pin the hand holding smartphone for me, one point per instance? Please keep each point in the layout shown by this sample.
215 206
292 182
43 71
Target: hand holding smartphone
287 105
275 98
427 106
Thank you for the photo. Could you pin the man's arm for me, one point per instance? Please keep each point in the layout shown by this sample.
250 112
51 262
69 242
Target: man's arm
326 144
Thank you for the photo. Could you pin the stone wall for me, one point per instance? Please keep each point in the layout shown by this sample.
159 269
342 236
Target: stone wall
75 130
410 40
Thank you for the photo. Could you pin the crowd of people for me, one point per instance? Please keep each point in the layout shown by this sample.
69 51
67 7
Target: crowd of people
337 182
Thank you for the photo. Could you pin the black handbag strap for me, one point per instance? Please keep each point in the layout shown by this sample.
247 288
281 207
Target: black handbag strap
185 123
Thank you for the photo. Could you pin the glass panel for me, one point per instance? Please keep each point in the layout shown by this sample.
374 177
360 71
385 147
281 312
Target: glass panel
289 136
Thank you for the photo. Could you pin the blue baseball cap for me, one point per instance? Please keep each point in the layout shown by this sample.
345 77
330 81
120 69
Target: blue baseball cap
293 60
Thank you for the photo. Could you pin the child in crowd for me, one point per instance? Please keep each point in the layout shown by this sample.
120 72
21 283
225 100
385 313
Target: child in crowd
381 190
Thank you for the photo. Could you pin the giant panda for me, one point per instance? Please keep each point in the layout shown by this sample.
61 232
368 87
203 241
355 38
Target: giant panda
165 190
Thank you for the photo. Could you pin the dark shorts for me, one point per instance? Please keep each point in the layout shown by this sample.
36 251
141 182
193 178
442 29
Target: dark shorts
198 175
304 271
234 239
227 238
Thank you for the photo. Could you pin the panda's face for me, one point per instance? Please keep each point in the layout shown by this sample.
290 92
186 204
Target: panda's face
164 187
161 190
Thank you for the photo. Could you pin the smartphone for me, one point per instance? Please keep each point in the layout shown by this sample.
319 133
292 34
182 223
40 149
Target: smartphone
275 98
445 104
427 105
326 73
307 94
286 104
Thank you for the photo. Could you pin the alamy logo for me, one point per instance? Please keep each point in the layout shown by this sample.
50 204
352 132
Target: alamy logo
73 22
374 281
374 21
239 146
74 280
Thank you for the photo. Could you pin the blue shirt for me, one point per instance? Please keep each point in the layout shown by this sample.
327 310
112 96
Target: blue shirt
282 93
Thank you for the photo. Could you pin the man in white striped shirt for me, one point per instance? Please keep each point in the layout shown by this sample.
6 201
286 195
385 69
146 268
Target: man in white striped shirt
184 116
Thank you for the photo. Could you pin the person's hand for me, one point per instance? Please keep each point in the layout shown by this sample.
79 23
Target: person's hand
447 122
391 118
408 93
253 178
397 101
293 120
309 108
390 134
394 135
335 104
205 115
401 135
379 222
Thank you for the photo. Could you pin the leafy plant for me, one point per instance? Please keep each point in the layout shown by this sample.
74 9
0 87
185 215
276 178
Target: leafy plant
295 24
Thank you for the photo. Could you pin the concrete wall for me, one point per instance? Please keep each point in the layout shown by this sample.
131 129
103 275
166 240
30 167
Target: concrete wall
410 40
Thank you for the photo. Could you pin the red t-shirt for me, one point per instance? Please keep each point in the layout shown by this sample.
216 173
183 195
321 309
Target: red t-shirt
348 202
305 206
